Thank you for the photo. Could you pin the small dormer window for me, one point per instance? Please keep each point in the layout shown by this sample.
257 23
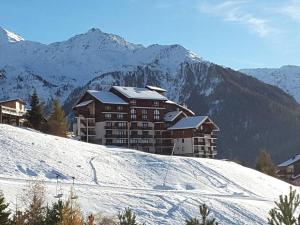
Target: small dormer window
156 103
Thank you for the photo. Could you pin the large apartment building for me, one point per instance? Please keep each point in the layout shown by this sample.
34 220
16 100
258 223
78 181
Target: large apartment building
143 119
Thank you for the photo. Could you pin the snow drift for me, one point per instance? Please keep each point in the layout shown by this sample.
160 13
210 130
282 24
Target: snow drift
160 189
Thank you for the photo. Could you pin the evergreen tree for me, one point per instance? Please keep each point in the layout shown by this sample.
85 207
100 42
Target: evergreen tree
35 114
57 123
283 213
54 214
127 217
204 212
4 213
265 164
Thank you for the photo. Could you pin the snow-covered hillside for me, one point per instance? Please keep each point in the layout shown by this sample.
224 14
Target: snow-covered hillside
286 77
161 189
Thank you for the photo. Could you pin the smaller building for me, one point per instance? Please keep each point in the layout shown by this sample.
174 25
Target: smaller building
195 136
289 170
12 112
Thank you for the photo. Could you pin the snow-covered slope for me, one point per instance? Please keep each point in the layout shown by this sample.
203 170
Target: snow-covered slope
285 77
161 189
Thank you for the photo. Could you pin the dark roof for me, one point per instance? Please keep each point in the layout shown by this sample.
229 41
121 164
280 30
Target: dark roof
12 100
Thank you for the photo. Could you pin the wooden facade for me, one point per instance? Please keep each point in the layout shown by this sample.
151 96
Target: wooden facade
289 171
12 112
134 122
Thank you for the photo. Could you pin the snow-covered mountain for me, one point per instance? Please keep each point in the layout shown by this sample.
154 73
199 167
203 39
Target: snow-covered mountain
285 77
54 70
161 189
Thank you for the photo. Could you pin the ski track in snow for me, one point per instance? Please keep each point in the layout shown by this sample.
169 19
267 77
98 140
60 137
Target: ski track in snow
108 179
95 179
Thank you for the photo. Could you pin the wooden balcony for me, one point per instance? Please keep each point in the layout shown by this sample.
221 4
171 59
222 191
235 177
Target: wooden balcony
116 136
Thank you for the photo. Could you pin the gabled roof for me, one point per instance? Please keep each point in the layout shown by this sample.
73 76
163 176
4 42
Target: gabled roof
153 88
107 97
85 103
139 93
170 116
290 161
189 122
180 106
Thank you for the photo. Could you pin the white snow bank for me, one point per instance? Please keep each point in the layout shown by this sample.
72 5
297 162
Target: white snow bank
109 179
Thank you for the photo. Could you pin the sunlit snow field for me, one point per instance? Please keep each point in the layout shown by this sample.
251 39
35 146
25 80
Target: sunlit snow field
160 189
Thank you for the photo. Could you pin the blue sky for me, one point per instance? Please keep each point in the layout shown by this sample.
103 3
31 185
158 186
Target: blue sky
233 33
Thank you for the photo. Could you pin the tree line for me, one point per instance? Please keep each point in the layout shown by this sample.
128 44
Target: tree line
55 124
35 211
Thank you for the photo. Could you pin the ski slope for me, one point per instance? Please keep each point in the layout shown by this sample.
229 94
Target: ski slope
160 189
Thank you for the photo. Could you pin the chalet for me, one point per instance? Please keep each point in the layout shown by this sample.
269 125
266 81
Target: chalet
143 119
290 170
12 111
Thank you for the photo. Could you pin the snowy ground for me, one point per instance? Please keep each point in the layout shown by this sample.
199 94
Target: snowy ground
110 179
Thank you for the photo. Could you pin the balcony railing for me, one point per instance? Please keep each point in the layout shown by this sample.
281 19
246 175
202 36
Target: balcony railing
116 136
12 111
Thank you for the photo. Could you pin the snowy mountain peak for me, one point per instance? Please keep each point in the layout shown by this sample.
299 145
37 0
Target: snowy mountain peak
7 36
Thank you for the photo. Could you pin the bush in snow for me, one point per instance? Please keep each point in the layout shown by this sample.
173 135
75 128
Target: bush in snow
283 213
205 220
127 217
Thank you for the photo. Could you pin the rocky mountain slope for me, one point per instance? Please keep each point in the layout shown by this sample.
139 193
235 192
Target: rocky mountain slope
252 115
285 77
160 189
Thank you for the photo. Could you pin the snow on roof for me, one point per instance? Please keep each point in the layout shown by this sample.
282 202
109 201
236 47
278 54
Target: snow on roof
170 116
12 100
189 122
290 161
84 103
139 93
180 106
107 97
153 88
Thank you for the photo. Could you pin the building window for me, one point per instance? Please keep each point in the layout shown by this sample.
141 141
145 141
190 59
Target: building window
120 116
145 125
108 124
107 107
107 116
145 133
144 114
122 124
182 140
133 102
156 103
156 114
133 114
120 108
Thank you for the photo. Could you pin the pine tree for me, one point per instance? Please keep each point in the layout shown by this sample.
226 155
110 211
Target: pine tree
283 213
35 114
204 212
265 164
127 217
57 123
54 213
4 212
